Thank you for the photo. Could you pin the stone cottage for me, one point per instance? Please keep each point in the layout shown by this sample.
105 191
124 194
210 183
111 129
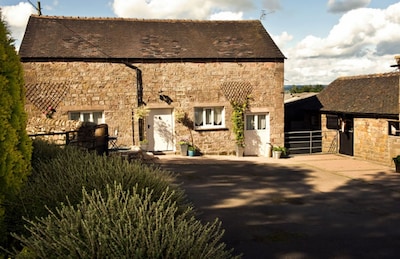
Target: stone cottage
360 116
102 69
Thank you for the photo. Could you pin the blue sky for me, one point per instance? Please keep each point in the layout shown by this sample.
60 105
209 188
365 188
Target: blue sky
322 39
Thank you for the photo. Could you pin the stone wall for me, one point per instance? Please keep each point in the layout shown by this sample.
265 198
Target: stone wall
90 87
112 88
39 125
330 138
371 140
45 125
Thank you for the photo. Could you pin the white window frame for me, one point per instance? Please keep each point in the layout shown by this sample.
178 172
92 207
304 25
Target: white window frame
91 117
208 117
259 122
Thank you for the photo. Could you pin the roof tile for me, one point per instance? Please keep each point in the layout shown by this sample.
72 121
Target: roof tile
366 94
50 37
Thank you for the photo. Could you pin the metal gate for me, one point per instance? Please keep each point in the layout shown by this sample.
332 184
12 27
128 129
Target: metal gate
303 142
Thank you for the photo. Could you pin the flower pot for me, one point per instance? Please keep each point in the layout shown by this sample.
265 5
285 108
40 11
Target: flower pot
276 154
144 147
191 152
184 149
397 165
239 151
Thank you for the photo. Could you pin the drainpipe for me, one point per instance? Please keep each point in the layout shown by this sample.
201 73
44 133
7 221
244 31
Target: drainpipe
139 90
139 83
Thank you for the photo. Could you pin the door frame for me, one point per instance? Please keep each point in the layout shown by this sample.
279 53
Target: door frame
256 140
153 137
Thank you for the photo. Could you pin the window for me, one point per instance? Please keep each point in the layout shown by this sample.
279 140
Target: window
394 128
332 122
209 117
256 122
88 116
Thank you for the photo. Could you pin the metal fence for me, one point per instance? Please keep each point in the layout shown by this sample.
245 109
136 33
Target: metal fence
303 142
91 137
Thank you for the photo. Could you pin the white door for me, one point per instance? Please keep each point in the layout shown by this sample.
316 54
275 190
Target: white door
256 134
159 130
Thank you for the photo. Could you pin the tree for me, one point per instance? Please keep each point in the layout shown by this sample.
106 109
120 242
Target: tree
306 89
15 145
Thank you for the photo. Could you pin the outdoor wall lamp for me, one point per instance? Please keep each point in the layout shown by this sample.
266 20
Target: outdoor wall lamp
165 98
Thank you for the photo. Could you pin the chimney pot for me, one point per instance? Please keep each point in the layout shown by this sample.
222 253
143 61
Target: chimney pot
397 58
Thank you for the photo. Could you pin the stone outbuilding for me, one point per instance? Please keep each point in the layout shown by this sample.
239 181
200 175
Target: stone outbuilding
360 116
141 76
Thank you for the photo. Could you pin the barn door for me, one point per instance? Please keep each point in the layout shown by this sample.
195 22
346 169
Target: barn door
346 136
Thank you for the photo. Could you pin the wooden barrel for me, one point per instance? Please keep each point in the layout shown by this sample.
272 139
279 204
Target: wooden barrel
101 139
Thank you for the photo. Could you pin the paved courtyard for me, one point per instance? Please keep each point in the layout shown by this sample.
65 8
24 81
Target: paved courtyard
316 206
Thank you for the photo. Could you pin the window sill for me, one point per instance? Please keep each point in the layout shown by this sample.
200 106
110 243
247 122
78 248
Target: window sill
211 129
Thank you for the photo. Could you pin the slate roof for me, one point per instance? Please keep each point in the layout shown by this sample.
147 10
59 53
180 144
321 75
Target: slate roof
50 37
372 95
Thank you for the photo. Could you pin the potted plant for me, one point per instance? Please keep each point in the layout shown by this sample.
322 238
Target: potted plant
50 112
144 144
183 118
278 151
396 161
238 125
191 150
184 144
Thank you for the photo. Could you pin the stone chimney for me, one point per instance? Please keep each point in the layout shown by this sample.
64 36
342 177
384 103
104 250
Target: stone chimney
397 58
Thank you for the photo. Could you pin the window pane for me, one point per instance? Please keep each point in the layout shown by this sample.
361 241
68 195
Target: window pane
332 122
98 117
250 122
218 116
74 116
261 125
209 119
198 116
86 117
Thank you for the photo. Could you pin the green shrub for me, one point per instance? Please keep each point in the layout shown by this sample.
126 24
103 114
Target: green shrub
60 173
123 224
44 151
66 173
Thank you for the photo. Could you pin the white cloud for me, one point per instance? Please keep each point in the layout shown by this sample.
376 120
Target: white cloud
282 40
181 9
363 42
341 6
227 16
16 17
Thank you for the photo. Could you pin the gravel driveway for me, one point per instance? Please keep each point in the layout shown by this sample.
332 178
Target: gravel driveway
319 206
